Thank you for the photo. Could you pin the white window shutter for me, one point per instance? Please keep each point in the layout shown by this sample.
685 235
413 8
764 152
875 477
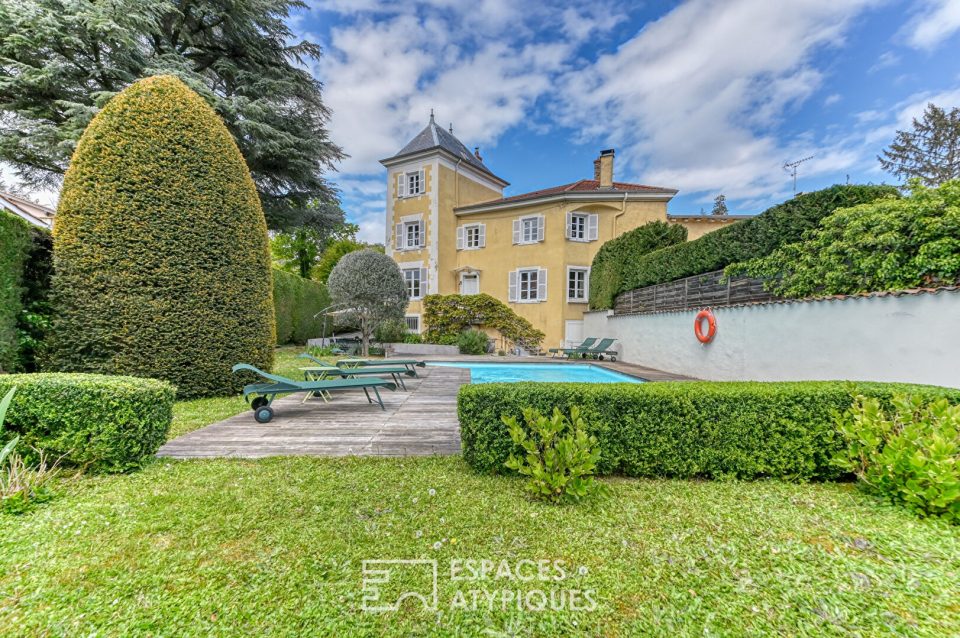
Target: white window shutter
513 286
483 235
423 184
460 232
586 284
401 185
540 224
516 231
542 285
423 282
398 239
569 225
593 227
423 234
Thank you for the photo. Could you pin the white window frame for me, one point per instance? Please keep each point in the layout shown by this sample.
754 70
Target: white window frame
590 230
420 279
463 236
586 284
520 226
411 183
402 231
415 317
517 289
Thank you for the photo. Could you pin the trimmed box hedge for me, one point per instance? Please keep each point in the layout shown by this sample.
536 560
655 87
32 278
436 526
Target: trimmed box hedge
685 428
14 248
779 225
296 301
104 423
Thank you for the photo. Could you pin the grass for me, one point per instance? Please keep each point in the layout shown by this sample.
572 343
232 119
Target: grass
233 547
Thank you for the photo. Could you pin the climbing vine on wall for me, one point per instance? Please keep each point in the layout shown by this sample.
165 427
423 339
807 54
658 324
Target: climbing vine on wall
446 316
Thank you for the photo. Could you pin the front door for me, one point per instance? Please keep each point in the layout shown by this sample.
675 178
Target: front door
469 284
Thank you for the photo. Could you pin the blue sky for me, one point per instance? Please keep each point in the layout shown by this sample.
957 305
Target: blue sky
707 96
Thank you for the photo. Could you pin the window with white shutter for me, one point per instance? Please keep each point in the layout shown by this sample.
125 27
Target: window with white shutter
577 226
471 236
578 284
528 285
411 235
416 280
528 230
411 183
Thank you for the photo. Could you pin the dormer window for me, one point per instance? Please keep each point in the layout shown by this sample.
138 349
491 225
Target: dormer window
411 183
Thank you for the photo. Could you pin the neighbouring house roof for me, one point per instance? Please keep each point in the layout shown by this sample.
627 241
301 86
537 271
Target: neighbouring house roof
581 189
706 217
37 214
434 137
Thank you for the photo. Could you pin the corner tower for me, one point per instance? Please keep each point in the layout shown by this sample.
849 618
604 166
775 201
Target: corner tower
429 177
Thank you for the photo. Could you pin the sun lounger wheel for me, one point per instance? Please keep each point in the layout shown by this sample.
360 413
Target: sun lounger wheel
259 402
263 414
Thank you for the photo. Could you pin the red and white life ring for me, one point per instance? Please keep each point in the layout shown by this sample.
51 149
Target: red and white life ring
711 326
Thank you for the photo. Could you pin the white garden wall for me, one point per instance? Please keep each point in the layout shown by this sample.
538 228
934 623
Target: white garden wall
912 337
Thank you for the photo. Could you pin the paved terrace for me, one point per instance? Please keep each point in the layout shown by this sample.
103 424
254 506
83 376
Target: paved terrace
420 421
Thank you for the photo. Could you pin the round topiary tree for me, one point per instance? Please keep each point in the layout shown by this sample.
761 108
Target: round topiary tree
370 285
162 264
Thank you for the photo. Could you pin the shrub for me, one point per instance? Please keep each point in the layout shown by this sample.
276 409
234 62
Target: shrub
909 454
162 266
296 301
684 428
391 331
412 337
108 424
446 316
14 247
331 257
370 285
888 244
37 314
473 342
559 457
748 239
606 273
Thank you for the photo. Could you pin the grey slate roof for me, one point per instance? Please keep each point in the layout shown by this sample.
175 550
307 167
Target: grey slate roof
433 137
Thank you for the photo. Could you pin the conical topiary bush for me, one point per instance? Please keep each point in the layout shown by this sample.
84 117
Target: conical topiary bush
160 247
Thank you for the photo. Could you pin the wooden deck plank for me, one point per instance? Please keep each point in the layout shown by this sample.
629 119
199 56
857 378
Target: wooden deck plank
420 421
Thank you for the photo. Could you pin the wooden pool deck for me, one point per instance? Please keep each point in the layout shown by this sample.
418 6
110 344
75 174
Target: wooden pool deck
421 421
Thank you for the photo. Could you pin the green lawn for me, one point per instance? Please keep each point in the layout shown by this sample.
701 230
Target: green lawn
231 547
275 546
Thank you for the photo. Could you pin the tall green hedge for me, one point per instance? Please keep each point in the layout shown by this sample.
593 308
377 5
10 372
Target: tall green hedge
782 224
162 264
613 258
296 300
14 248
685 428
103 423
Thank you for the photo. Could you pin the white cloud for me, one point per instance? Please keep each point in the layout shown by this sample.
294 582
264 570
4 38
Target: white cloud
900 116
936 21
699 107
885 60
832 99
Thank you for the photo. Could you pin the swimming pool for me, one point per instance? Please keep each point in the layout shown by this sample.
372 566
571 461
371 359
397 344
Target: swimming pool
552 372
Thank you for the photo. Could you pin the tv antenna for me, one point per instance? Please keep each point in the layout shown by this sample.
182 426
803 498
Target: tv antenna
791 167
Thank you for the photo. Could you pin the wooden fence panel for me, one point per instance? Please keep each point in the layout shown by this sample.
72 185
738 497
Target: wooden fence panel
690 293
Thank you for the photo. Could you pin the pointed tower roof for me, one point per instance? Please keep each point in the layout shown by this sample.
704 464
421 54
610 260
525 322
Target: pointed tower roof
433 138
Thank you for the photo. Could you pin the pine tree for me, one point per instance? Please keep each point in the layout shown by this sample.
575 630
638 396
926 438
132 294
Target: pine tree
930 152
720 205
62 61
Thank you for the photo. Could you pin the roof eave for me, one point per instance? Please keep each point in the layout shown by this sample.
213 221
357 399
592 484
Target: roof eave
601 196
399 159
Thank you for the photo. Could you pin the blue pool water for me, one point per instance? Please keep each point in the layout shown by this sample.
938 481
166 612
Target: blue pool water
555 372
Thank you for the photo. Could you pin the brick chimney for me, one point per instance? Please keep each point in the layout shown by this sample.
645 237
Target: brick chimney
605 173
596 170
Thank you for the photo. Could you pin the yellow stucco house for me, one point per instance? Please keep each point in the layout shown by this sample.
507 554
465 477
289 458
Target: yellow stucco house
451 230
